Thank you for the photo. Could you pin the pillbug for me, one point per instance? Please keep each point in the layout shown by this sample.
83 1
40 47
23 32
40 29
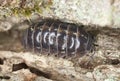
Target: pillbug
58 38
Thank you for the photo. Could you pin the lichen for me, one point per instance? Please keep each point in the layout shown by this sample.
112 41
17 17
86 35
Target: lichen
24 7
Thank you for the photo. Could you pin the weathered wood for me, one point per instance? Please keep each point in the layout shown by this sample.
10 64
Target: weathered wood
105 61
107 52
102 13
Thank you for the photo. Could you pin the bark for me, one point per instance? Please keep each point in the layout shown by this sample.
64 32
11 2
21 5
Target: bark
103 64
106 57
96 12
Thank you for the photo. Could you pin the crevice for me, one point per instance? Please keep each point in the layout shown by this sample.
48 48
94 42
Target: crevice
4 77
8 42
113 61
1 61
32 69
39 73
19 66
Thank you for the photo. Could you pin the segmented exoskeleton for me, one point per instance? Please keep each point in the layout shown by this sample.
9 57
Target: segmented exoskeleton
59 38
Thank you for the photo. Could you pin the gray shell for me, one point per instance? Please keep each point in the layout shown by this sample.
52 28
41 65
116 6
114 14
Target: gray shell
59 38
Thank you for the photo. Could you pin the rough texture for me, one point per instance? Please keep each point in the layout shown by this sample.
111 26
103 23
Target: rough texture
18 65
95 12
116 13
51 68
103 66
84 11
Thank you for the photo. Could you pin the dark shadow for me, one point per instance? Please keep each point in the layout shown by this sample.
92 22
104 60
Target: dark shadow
32 69
1 61
19 66
4 77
